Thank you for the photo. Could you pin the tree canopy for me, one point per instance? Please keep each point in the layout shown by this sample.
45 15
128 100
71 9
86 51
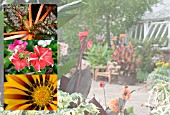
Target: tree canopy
105 17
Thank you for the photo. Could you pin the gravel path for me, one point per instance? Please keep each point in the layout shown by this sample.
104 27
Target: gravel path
113 90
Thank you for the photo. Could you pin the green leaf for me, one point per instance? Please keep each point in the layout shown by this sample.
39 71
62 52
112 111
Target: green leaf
6 62
70 6
64 18
121 102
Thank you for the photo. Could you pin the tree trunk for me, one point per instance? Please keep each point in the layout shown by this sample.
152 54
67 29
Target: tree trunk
108 30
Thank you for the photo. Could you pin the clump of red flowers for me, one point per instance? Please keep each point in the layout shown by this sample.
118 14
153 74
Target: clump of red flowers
21 58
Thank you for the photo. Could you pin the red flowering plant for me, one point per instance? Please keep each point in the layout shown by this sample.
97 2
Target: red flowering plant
102 85
30 57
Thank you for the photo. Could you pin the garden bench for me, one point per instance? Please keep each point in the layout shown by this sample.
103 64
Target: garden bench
112 69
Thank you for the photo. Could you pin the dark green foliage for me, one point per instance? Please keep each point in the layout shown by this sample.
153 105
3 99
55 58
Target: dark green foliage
65 68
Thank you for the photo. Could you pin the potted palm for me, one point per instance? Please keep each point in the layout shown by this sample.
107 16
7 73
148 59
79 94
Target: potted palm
129 62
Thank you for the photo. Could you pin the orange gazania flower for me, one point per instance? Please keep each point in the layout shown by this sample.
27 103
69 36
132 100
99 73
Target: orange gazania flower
114 38
125 93
31 92
114 106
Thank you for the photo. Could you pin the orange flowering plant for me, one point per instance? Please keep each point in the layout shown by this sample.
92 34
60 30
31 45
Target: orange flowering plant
118 40
125 56
117 104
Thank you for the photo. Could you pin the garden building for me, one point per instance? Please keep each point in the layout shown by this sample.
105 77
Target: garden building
154 24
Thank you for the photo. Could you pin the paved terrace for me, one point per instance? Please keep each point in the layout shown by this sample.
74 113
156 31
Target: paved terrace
113 90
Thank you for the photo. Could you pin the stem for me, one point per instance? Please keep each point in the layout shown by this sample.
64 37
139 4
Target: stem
108 30
44 16
18 32
105 97
30 15
39 13
83 44
15 36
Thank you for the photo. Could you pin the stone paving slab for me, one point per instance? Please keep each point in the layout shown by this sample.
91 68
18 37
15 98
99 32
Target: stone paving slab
113 90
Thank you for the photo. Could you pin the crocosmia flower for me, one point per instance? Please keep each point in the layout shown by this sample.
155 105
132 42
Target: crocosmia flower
19 59
89 43
18 45
82 34
41 58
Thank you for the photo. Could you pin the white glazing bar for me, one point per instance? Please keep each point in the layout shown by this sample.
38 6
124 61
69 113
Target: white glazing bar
146 30
163 33
169 34
161 25
131 30
141 30
153 31
136 31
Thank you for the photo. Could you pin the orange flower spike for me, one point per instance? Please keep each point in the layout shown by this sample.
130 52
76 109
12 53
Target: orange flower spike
47 12
125 93
114 38
39 13
25 38
30 15
18 32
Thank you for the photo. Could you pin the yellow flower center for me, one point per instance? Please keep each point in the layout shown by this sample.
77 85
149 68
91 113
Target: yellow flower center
42 96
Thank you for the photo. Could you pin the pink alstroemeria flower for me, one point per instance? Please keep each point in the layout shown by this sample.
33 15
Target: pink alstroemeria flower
41 57
19 59
18 45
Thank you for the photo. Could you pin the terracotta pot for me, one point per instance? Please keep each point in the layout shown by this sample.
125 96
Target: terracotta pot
128 80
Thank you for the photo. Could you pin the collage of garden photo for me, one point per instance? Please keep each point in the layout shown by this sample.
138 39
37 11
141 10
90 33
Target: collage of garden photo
85 57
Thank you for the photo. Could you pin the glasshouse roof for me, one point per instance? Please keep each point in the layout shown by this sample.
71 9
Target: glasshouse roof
160 12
